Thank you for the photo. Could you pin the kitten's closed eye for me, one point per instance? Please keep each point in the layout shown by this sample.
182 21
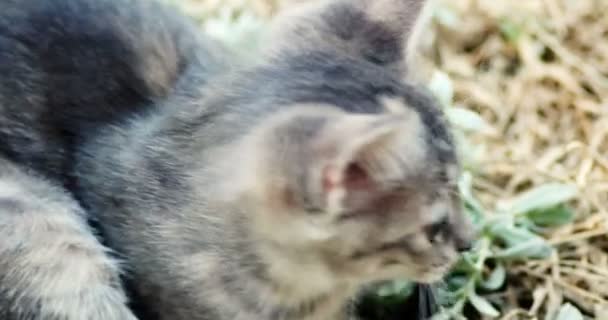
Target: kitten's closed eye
442 232
437 231
463 245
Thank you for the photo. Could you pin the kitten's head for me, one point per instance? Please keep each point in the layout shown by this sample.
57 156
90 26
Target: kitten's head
363 196
366 196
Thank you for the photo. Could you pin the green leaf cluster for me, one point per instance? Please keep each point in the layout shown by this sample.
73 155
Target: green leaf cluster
509 233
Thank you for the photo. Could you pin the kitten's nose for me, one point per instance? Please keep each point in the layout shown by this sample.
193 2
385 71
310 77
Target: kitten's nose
463 245
464 233
463 238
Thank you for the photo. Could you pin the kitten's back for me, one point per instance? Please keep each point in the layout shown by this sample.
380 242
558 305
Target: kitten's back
69 66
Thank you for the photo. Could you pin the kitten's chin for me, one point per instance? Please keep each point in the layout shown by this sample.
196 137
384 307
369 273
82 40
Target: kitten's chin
431 276
426 275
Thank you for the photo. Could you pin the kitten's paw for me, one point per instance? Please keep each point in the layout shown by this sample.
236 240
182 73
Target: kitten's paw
58 272
100 304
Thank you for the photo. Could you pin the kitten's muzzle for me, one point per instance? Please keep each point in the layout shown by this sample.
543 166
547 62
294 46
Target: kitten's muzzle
444 230
463 245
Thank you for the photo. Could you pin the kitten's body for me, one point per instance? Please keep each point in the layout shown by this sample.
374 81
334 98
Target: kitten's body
207 189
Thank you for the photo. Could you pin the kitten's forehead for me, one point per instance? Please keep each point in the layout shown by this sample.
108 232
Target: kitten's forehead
426 111
439 138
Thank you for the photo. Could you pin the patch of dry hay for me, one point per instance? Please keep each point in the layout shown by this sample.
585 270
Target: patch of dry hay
537 71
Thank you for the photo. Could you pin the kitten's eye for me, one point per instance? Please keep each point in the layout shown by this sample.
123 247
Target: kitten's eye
435 231
313 210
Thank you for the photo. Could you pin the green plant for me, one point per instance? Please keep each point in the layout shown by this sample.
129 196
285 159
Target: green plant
508 233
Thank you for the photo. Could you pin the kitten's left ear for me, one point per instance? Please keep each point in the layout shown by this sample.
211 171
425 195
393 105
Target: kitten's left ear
405 18
380 31
400 16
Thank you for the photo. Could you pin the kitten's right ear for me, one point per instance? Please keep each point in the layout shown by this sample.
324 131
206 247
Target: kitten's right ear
360 158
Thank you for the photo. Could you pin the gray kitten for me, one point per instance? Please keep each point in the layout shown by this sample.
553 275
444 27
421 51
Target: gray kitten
274 191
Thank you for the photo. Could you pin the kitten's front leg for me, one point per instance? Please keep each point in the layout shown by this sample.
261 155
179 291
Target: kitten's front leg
51 265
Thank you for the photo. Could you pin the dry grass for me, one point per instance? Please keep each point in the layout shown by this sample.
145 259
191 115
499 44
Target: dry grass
537 71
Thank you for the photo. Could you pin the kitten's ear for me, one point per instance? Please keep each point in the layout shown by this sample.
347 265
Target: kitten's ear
364 156
406 19
380 31
400 16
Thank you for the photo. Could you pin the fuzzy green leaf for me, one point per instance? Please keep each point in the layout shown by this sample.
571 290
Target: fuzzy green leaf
239 31
473 206
545 196
401 288
551 217
456 282
447 16
569 312
470 153
482 305
536 248
496 279
466 263
441 86
441 316
468 120
520 243
510 30
509 233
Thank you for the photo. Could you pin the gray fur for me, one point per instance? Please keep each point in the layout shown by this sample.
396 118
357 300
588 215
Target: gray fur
52 265
210 183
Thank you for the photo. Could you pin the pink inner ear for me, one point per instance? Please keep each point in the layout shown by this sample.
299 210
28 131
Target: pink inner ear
331 178
361 192
354 178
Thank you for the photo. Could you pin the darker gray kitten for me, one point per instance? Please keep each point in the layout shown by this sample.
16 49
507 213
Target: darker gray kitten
274 191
